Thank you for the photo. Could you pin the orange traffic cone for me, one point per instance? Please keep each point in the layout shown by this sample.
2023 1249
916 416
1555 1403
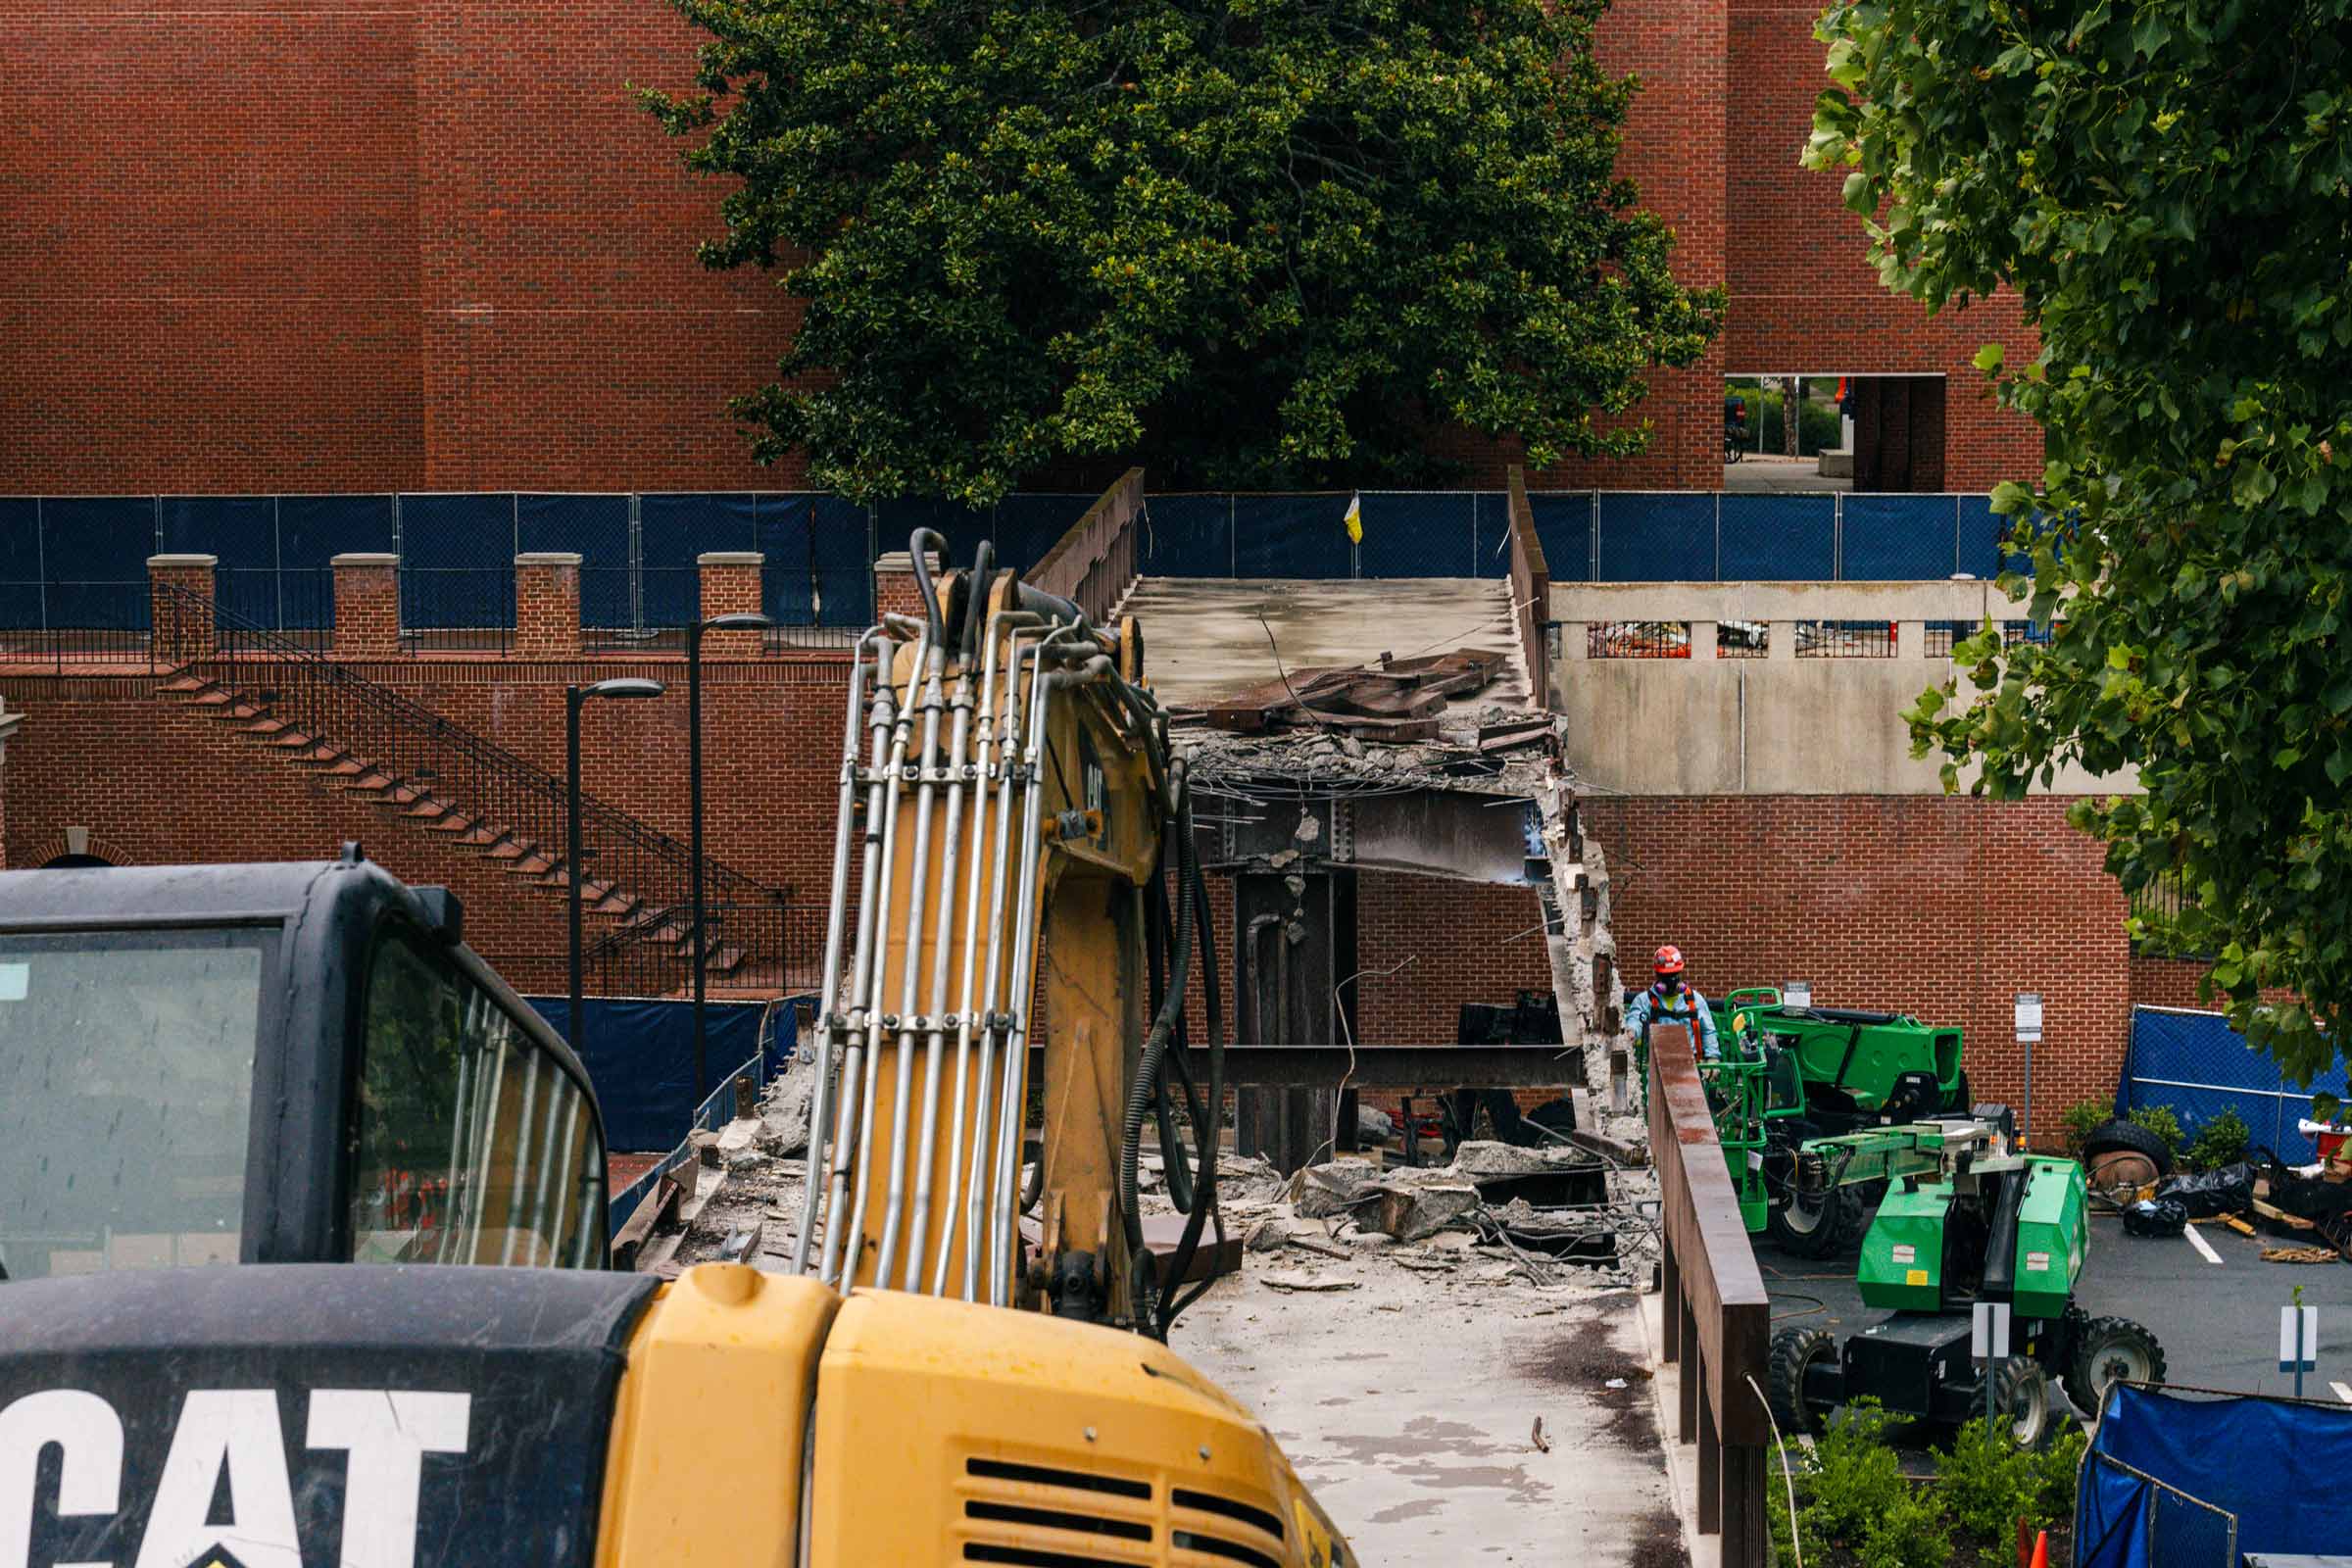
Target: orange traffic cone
2041 1549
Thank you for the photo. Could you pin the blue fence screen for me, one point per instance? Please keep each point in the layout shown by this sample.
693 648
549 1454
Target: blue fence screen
2195 1063
80 560
2192 1478
640 1059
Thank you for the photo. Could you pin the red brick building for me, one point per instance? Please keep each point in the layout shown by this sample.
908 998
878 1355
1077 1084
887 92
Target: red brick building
267 247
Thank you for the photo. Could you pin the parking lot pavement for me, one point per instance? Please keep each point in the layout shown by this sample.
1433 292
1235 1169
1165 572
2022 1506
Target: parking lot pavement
2218 1322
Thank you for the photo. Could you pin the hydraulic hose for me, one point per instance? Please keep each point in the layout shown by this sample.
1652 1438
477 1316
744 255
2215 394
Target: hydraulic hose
918 549
1208 1128
1140 1092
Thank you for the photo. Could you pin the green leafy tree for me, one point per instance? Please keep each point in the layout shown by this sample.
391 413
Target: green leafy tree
1249 241
2165 185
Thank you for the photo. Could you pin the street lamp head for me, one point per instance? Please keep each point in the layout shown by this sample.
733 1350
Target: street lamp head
623 686
739 621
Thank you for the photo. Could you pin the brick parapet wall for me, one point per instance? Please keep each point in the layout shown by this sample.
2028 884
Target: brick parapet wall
179 605
729 581
366 607
546 605
894 590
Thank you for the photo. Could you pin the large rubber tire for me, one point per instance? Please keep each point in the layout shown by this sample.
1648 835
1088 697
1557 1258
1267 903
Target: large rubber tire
2110 1136
1792 1352
1822 1227
2108 1349
2025 1405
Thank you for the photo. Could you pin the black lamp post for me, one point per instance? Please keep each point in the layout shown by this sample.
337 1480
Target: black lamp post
575 699
742 621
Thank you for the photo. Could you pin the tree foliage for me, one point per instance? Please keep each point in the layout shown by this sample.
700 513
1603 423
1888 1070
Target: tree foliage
1250 241
2163 183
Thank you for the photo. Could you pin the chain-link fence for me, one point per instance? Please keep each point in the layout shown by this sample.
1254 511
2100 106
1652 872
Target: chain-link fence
2195 1063
80 560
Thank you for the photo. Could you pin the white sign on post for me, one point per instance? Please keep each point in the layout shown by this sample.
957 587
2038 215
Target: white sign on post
2029 1017
1989 1332
2298 1338
1797 994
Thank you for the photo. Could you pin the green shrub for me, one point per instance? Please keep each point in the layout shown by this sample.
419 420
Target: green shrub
2160 1120
2082 1118
2219 1141
1988 1484
1910 1533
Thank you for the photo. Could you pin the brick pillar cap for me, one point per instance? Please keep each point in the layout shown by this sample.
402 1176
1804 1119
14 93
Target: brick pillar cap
548 558
184 561
730 557
902 561
364 558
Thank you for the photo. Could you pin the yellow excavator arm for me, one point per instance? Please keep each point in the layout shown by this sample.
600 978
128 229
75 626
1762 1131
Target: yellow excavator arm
1008 810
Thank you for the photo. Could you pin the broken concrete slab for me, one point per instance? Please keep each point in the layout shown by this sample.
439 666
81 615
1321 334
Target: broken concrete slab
1411 1210
1333 1189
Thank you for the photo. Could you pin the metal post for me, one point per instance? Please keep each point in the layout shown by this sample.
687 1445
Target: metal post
694 817
573 695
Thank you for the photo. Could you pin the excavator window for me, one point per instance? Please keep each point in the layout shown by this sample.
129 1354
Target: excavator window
470 1144
125 1095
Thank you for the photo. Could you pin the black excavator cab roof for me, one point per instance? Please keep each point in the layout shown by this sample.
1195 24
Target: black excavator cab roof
275 1064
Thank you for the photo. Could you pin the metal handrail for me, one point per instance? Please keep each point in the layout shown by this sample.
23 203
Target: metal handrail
417 748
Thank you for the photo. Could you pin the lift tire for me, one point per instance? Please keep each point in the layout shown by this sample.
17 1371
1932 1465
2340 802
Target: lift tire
1794 1350
2109 1349
1824 1227
2123 1137
2024 1404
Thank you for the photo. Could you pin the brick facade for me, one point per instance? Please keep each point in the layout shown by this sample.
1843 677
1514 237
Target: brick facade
441 247
1941 906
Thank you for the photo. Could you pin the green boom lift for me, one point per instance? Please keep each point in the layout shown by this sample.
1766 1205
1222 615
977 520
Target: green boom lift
1967 1218
1791 1074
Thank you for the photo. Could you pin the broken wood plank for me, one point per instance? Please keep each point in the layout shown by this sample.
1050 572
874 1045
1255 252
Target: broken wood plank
2238 1225
2277 1216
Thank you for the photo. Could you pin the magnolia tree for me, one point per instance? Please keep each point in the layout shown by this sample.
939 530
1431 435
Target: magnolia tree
1250 242
2164 186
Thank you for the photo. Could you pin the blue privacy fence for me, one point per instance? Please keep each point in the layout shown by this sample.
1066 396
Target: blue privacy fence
640 1058
1587 536
2198 1066
80 560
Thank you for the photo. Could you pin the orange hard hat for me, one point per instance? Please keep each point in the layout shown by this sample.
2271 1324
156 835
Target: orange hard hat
1669 960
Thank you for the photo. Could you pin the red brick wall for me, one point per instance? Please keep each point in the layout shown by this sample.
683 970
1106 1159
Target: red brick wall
210 278
367 609
273 246
1942 907
1805 299
2172 983
278 247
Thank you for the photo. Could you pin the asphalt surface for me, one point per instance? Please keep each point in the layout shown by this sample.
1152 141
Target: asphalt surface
2218 1323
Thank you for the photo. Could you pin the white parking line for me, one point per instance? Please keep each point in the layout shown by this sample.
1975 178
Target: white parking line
2342 1393
2203 1245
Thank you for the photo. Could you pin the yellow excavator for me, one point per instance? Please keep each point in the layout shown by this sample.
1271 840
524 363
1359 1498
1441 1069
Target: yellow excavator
1015 916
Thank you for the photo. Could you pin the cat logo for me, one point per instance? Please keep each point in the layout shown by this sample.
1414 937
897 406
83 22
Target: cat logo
231 1434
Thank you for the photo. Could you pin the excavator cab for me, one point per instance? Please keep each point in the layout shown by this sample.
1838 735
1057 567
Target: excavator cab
276 1064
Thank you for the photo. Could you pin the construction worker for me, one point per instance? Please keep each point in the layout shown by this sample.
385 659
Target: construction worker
1668 999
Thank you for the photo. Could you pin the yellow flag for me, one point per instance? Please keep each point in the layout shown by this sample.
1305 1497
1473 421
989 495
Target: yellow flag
1355 519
